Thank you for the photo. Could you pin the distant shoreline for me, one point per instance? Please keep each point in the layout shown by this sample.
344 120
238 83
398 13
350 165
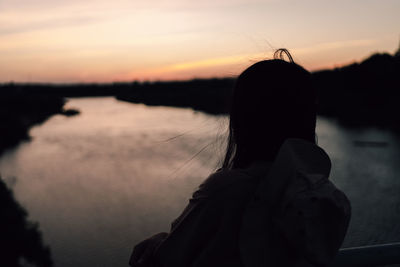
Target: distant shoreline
360 94
20 111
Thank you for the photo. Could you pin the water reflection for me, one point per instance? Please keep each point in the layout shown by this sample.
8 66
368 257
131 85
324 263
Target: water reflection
118 172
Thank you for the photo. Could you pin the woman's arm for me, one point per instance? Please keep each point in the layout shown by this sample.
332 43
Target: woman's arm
190 233
184 234
143 253
196 227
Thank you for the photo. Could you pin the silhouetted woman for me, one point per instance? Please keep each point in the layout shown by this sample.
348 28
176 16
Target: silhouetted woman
271 203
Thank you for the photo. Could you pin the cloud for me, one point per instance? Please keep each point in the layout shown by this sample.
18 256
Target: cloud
208 67
51 5
210 62
29 26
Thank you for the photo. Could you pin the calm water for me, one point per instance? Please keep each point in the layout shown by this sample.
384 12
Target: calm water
103 180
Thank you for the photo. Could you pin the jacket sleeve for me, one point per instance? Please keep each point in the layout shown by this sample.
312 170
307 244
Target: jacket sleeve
190 231
314 223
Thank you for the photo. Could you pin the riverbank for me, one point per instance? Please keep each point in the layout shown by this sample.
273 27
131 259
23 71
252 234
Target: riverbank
21 240
357 95
21 109
361 94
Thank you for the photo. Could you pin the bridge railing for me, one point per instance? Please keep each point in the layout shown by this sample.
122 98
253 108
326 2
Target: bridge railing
377 255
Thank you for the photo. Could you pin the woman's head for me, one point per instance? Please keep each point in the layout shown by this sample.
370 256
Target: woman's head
272 100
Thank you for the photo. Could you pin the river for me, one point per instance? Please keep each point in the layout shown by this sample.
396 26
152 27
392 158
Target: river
103 180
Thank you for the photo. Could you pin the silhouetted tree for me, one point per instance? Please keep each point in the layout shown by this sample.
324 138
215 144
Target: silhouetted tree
362 93
397 53
20 109
20 239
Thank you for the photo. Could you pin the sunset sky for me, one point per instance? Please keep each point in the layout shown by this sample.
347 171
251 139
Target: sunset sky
122 40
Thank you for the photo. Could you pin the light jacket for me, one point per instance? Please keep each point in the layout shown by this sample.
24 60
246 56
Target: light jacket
282 214
297 217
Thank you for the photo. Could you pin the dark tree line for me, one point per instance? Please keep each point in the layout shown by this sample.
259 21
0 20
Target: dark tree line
362 94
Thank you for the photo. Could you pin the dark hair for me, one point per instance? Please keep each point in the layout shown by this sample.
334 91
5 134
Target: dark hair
272 100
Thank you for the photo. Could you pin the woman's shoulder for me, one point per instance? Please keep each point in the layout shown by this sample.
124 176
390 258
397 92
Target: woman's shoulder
230 179
219 181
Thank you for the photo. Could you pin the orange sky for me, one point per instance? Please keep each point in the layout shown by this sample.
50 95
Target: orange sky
123 40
